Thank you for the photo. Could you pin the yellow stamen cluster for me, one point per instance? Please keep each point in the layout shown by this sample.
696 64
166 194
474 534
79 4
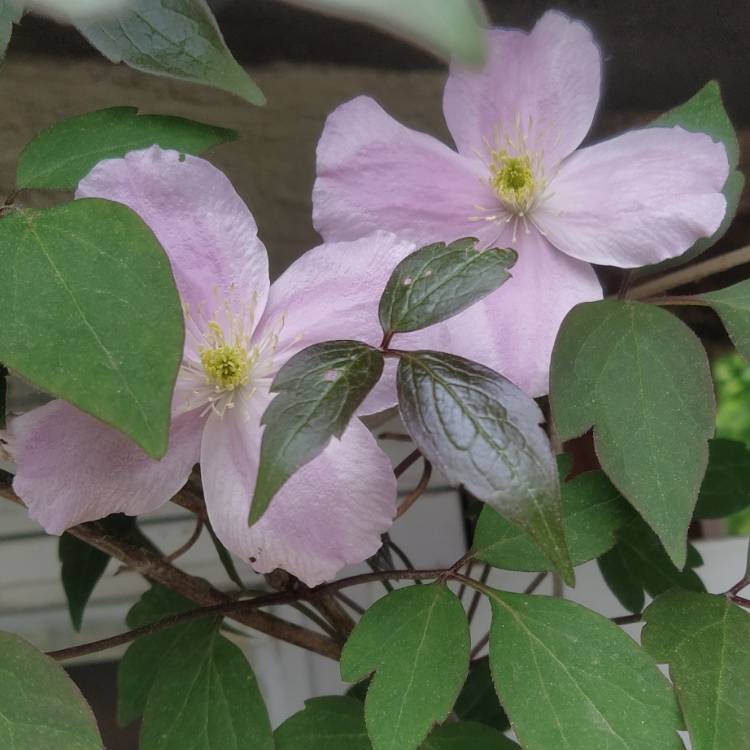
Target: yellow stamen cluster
512 179
227 366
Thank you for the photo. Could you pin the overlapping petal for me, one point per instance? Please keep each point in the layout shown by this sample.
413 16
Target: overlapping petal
637 199
549 78
375 174
72 468
513 329
330 513
204 226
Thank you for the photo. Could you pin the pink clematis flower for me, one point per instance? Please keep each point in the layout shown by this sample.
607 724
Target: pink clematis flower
517 180
72 468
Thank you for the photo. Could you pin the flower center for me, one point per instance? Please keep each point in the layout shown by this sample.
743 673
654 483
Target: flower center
226 366
512 179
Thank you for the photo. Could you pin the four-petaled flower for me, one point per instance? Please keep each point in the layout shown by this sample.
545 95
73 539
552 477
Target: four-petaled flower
518 181
72 468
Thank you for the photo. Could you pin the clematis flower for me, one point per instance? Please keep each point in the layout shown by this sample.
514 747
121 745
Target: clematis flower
518 181
72 468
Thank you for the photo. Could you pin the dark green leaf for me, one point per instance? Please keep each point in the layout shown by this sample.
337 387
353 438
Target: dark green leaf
174 38
705 113
467 736
638 562
143 659
416 639
319 390
62 155
478 701
570 678
328 723
83 566
726 486
205 696
593 511
640 377
704 639
481 430
733 307
438 281
91 314
358 691
10 13
40 706
445 27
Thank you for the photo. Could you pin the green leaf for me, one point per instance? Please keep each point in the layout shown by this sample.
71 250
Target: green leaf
478 701
319 390
482 431
570 678
40 706
465 735
174 38
62 155
593 511
10 13
143 659
640 377
83 566
3 395
328 723
638 562
438 281
205 697
705 113
416 639
704 639
726 486
446 28
732 304
91 314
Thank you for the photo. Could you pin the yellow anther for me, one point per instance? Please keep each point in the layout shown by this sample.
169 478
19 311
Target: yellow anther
227 366
512 179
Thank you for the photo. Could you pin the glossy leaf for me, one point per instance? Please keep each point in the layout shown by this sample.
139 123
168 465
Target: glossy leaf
478 701
569 677
416 640
482 431
205 696
174 38
593 511
705 113
640 377
704 639
143 659
62 155
733 307
726 486
438 281
319 390
444 27
91 314
40 706
10 13
467 735
328 723
638 563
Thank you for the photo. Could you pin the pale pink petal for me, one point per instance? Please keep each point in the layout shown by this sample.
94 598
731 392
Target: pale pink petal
373 173
545 84
329 514
333 292
513 330
72 468
637 199
208 232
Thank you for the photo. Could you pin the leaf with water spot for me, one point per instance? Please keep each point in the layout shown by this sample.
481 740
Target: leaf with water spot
416 640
